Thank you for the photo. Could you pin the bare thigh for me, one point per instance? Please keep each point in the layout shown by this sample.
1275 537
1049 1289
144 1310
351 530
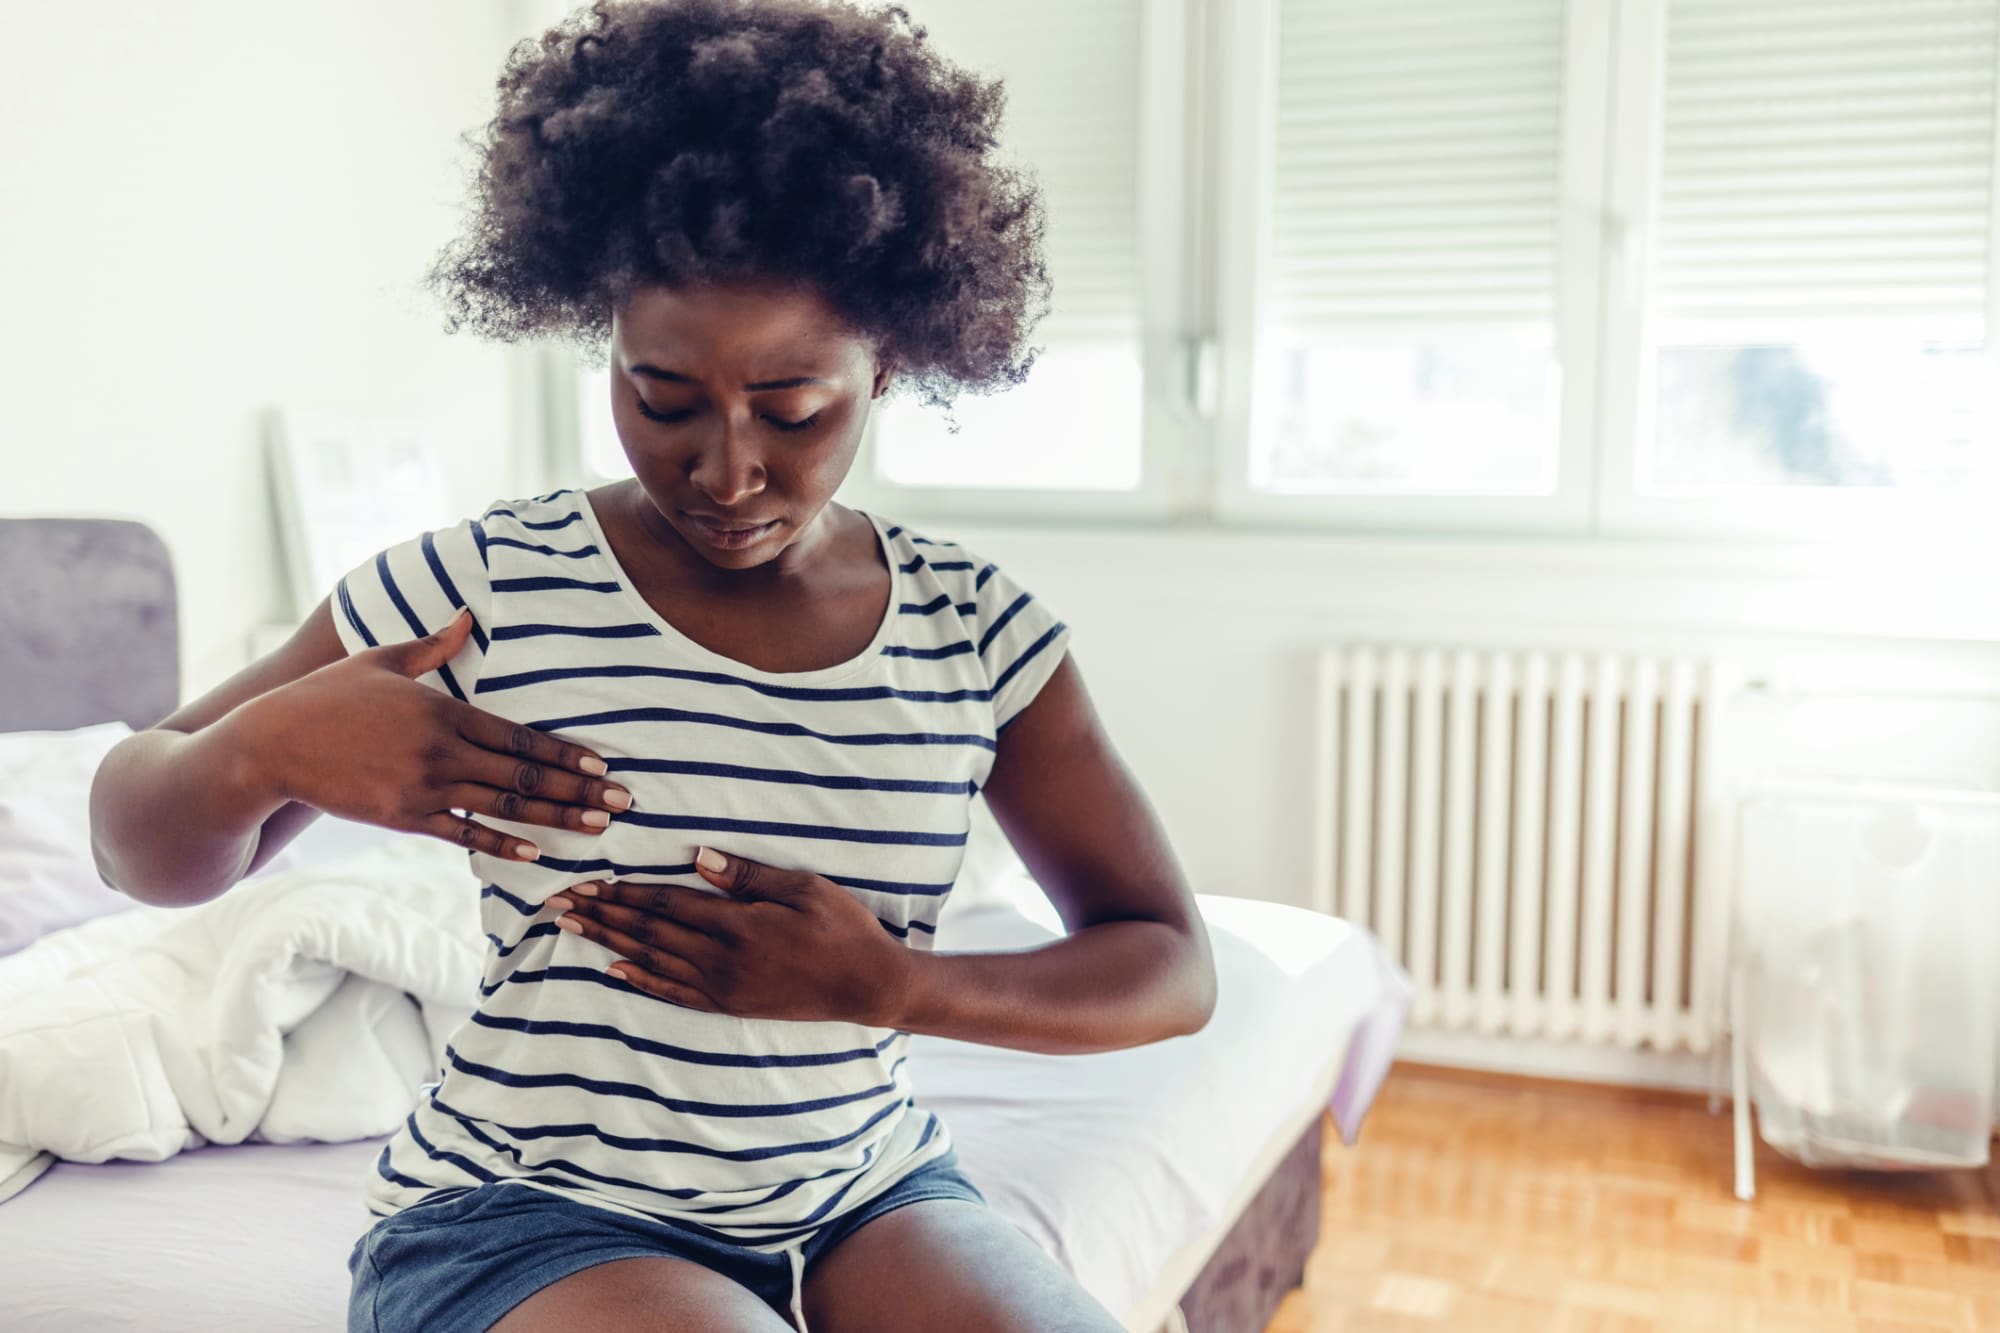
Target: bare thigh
946 1264
644 1293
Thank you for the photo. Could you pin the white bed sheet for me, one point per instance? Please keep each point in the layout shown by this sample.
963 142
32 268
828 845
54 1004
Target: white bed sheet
1111 1162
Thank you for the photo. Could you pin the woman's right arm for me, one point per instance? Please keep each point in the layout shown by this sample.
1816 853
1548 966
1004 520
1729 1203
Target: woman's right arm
181 812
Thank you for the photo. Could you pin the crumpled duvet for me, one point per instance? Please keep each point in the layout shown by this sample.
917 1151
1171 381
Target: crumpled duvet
310 1004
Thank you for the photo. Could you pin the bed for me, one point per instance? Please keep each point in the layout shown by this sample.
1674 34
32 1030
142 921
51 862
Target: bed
1184 1192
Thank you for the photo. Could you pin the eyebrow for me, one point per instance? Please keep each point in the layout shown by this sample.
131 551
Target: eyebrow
672 377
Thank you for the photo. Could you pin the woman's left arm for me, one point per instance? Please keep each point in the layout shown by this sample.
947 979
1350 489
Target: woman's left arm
1136 966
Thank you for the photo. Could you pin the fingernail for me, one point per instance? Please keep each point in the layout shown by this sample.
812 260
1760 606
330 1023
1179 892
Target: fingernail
527 851
710 859
561 904
592 765
618 798
595 818
582 890
569 924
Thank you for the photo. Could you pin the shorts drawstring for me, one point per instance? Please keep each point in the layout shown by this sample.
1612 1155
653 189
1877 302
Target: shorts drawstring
796 1254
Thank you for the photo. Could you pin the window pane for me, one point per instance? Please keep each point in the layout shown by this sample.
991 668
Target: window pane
602 453
1407 310
1073 425
1823 281
1072 75
1860 412
1464 415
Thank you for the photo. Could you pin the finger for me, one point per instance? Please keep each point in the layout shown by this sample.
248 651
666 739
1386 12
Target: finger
521 741
673 902
476 837
673 992
662 963
744 878
433 650
519 809
530 777
662 932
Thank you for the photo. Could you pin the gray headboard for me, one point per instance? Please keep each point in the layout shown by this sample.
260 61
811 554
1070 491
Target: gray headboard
89 624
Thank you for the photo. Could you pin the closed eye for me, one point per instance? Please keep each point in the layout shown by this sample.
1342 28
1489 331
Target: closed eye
684 413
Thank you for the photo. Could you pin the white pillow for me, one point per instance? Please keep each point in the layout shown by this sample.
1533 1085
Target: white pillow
48 878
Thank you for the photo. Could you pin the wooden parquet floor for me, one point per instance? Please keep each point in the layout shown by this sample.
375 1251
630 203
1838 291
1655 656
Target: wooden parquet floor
1476 1203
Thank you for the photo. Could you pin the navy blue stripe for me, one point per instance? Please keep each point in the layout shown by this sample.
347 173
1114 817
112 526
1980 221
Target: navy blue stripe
616 715
896 531
563 1164
926 541
544 525
903 932
518 679
549 583
684 1193
984 575
775 829
450 590
353 616
837 782
621 870
1048 637
949 564
632 1144
436 1154
545 1027
1013 609
577 554
551 496
916 563
949 650
935 605
410 618
479 540
638 1092
520 905
891 886
395 1177
532 932
576 631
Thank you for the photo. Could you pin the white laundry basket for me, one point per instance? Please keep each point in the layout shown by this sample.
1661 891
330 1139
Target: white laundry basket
1866 972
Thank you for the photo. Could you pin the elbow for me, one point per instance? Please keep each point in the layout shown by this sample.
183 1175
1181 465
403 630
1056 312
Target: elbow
1198 985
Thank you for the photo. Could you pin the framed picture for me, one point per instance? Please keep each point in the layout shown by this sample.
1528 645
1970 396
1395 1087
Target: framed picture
345 488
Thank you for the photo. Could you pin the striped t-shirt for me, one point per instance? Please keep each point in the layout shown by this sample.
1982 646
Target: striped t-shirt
567 1079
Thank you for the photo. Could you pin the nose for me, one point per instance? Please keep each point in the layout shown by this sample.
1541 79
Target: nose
726 467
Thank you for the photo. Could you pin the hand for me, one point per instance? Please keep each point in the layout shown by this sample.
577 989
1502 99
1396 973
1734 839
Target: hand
782 944
360 739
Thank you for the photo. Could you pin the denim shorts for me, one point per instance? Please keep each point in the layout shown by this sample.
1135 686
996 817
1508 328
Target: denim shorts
462 1259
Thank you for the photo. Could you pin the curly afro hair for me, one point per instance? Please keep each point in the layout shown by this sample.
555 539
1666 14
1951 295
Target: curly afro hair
689 141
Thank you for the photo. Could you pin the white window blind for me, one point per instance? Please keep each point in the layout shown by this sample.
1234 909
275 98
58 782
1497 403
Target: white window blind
1824 277
1408 299
1072 73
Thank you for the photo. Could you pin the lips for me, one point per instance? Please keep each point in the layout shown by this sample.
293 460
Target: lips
731 533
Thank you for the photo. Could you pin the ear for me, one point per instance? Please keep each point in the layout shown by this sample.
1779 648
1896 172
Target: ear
882 376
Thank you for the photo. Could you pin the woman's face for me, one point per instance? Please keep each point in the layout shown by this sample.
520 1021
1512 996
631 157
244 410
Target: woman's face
740 407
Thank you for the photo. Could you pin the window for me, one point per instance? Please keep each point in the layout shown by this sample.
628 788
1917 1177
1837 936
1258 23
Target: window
1553 266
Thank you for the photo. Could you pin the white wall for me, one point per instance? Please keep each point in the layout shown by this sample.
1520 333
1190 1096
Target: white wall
1198 644
218 206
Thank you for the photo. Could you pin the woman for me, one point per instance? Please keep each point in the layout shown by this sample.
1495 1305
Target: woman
708 737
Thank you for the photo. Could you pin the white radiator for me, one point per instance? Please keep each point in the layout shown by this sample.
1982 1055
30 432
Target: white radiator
1519 828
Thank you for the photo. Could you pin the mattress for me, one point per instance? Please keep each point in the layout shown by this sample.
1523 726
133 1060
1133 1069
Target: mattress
1124 1165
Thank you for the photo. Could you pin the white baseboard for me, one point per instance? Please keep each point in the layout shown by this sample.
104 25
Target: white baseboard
1581 1062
